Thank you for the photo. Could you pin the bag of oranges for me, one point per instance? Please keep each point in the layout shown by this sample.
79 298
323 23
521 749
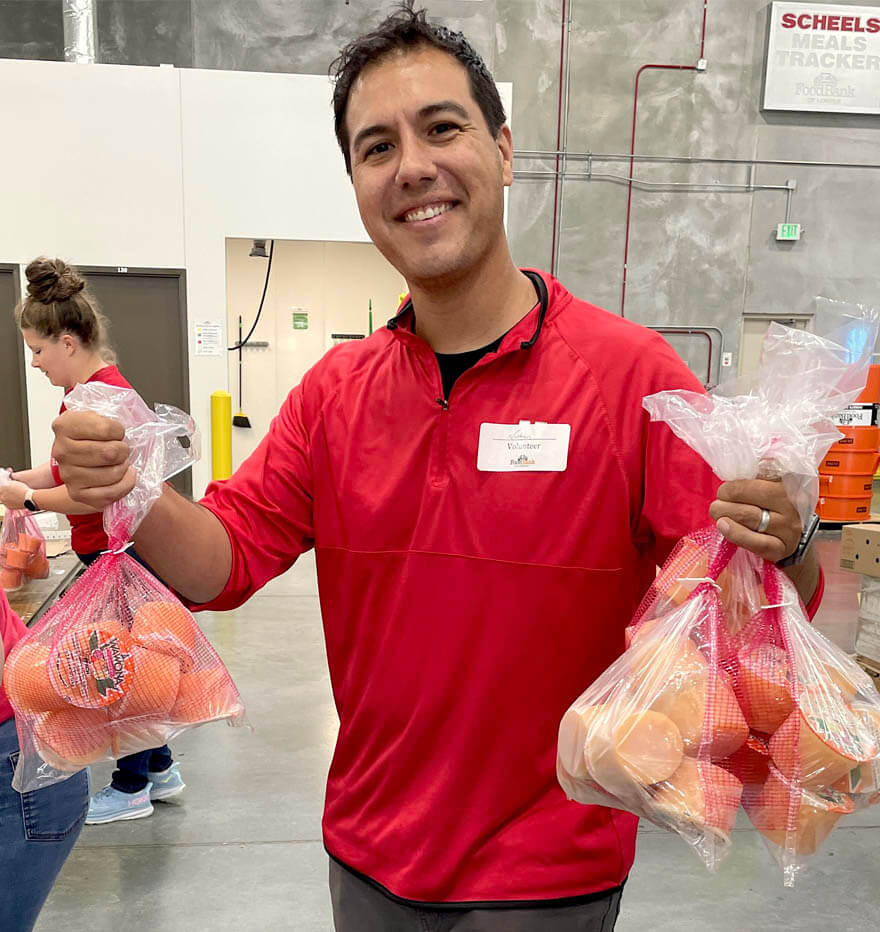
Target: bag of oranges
118 665
726 696
22 548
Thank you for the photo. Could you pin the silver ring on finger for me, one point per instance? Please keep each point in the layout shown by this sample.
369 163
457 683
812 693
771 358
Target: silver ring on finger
765 521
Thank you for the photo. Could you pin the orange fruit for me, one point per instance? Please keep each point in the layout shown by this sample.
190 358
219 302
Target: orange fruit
153 687
700 794
38 568
865 778
819 746
26 680
645 748
129 737
572 744
166 627
685 698
17 559
204 695
91 664
750 764
72 738
816 814
653 656
10 578
765 685
29 544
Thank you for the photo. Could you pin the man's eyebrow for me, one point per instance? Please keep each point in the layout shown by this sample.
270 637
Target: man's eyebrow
380 129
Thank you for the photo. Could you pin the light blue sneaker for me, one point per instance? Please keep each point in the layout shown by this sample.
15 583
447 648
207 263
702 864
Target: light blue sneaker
112 805
166 783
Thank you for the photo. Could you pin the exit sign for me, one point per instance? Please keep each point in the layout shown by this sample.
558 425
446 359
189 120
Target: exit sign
788 232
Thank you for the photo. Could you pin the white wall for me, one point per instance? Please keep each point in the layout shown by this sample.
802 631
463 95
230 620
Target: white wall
156 167
90 171
332 282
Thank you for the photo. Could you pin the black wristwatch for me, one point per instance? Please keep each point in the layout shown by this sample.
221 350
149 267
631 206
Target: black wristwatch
801 551
29 502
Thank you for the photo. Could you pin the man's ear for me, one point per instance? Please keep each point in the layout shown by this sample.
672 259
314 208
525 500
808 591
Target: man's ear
504 141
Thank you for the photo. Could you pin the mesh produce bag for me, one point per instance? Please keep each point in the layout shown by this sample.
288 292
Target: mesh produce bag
118 665
22 548
726 696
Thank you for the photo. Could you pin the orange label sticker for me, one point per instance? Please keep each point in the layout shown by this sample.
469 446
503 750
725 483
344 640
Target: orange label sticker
92 666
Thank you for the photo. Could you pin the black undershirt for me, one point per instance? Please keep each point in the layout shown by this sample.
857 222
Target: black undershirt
452 365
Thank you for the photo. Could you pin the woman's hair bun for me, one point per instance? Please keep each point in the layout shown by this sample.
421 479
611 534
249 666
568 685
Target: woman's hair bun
51 280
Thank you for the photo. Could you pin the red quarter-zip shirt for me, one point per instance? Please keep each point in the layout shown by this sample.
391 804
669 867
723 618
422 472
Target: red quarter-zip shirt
465 610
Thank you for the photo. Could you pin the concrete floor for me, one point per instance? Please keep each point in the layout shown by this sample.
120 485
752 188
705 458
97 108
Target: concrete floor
240 847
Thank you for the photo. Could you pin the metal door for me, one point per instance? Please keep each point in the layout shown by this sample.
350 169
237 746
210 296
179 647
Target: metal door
146 309
15 449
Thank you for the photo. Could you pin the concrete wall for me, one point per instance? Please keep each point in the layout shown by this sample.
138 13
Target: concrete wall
695 258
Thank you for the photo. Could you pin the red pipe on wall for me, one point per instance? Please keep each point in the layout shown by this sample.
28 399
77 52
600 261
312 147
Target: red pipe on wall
632 150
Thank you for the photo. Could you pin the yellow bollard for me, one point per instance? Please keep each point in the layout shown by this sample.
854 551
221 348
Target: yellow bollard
221 435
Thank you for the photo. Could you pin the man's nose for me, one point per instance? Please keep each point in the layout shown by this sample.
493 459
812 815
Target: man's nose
416 164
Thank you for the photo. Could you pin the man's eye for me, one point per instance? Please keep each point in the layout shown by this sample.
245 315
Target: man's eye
442 129
379 149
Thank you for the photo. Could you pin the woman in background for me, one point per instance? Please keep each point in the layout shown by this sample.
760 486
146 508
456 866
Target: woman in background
67 336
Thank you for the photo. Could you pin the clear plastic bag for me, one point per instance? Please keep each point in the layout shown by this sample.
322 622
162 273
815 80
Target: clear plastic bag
22 549
726 695
118 665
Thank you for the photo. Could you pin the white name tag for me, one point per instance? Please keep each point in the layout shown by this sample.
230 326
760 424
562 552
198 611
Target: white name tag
523 447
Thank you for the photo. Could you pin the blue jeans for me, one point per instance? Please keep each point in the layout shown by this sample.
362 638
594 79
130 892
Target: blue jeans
131 773
37 832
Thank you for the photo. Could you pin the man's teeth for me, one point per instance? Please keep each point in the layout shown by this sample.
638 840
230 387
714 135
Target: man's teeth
426 213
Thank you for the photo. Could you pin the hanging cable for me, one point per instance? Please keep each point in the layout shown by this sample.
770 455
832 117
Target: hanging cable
244 342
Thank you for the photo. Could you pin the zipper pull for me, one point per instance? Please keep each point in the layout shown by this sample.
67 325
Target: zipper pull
444 404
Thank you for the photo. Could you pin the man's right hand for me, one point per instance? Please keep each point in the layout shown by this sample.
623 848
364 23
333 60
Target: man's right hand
92 456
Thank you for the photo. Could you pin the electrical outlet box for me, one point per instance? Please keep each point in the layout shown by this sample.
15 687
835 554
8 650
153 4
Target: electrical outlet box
727 360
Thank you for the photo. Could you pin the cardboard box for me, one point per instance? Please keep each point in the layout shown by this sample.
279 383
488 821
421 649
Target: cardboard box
860 549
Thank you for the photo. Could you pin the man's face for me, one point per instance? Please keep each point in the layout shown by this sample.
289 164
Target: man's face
428 176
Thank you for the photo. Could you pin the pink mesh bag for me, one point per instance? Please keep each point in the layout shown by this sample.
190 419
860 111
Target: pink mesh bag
22 548
118 665
726 697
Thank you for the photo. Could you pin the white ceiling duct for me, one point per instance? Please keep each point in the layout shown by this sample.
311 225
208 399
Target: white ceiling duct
79 31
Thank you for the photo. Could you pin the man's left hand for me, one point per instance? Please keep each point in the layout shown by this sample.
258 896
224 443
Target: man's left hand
12 494
738 510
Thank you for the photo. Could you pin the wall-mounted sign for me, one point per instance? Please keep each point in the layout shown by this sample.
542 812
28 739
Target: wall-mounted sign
823 58
300 320
209 338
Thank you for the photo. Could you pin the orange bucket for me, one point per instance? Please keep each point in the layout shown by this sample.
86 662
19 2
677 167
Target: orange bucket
871 392
842 486
844 509
857 438
859 463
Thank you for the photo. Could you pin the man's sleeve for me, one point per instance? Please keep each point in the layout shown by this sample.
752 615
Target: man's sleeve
266 507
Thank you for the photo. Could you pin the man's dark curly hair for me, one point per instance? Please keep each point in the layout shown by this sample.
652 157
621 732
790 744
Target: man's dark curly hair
404 29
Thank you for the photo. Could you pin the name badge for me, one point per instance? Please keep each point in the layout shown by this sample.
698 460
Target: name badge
523 447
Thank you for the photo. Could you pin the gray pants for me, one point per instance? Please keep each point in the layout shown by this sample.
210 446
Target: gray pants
360 907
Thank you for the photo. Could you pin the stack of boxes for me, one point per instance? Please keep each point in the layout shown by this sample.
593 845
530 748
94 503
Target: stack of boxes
860 553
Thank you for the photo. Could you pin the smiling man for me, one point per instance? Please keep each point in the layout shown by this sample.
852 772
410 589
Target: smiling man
487 500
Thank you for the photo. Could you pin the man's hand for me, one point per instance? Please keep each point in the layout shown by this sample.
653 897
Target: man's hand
93 458
12 494
737 514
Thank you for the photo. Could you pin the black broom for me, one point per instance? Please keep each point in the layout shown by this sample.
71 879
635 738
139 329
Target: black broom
240 419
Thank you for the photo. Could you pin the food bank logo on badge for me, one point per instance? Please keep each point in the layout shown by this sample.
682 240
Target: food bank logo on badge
824 85
522 460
